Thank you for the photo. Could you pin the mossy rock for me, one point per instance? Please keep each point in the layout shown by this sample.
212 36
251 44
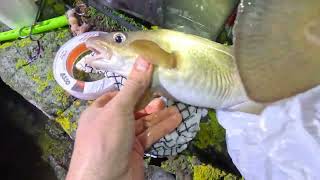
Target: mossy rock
211 134
33 78
51 146
182 164
188 166
68 119
207 172
101 22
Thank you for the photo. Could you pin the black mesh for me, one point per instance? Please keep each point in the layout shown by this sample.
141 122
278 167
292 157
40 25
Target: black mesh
178 140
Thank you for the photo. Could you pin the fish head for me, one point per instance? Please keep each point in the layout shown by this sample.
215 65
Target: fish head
110 53
117 51
111 44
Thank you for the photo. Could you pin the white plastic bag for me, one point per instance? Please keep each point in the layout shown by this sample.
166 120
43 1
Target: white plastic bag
282 143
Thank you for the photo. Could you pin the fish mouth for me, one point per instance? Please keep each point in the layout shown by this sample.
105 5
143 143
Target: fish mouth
100 52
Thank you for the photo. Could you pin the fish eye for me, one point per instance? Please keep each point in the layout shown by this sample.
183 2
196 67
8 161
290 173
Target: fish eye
119 37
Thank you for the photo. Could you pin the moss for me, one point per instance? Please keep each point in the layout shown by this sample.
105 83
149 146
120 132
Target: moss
211 134
42 85
181 162
60 112
20 63
62 34
154 27
24 42
61 95
192 165
77 103
59 8
52 8
66 123
30 70
5 45
50 76
107 23
203 172
50 146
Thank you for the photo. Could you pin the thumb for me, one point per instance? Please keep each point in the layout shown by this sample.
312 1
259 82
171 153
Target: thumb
138 81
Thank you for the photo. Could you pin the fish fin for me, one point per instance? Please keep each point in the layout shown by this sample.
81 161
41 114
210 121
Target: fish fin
248 107
153 53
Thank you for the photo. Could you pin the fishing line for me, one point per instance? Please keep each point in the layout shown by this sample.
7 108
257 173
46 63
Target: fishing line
31 58
63 70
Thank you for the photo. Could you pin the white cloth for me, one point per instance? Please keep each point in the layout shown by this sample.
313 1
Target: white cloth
282 143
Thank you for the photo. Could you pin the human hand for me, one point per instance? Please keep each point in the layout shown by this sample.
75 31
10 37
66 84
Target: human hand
111 138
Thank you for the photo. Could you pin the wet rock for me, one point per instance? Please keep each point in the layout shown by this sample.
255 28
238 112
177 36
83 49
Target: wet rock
157 173
181 166
187 167
30 74
40 134
69 118
59 170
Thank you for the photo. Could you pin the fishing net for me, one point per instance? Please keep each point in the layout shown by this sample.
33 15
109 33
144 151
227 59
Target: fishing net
176 141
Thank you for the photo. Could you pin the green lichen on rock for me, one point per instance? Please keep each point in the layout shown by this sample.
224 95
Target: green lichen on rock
32 71
35 81
20 63
207 172
51 146
5 45
211 134
23 42
188 165
62 34
50 76
68 119
180 163
60 95
65 122
42 85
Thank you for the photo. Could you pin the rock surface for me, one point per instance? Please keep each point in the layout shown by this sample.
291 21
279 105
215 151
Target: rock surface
30 141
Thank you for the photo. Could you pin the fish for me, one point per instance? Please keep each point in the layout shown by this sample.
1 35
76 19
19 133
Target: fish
277 47
187 68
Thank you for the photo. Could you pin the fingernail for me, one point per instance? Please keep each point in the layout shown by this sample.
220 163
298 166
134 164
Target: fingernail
142 65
